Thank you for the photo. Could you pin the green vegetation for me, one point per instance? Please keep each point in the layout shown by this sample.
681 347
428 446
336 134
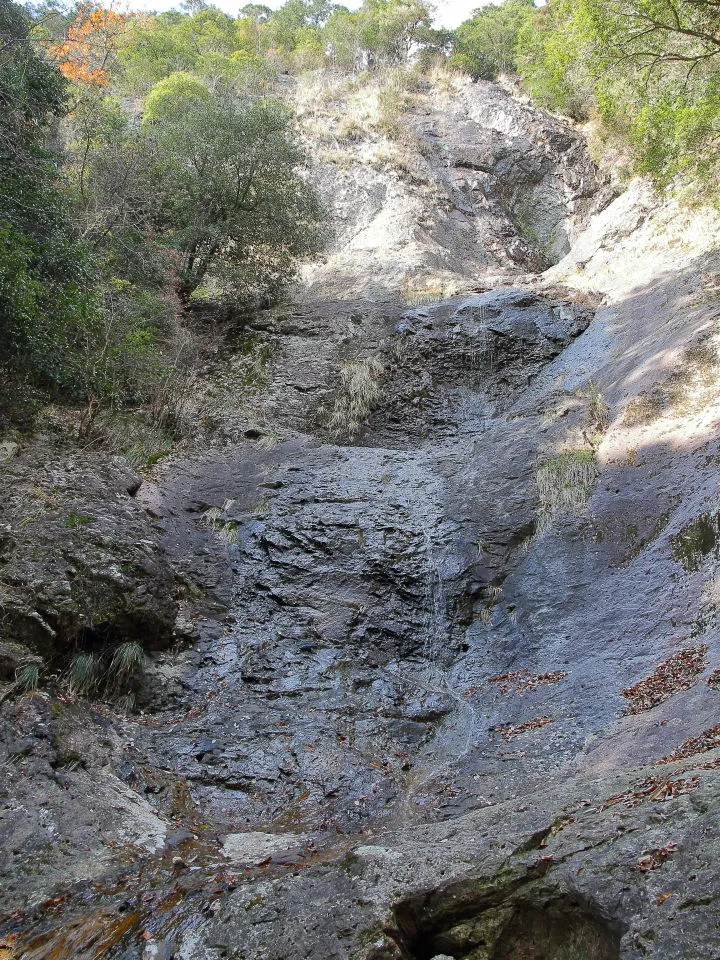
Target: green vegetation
45 305
149 164
27 679
697 540
213 519
112 671
486 45
647 70
143 169
74 520
127 661
260 42
84 673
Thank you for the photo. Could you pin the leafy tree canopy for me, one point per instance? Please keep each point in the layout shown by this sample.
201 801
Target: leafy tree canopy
649 68
221 186
486 44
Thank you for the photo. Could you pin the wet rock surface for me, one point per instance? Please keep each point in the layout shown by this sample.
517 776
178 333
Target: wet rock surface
395 724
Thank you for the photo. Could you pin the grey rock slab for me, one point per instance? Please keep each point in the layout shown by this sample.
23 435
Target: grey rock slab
254 847
400 728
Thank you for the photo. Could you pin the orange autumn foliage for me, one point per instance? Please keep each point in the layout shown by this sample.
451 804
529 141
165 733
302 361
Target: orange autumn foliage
89 45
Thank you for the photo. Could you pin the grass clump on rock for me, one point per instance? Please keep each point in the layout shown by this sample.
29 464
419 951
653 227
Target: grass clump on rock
564 484
112 671
359 393
27 678
127 660
84 673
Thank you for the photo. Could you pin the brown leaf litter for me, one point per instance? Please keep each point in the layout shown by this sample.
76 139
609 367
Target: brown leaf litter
653 788
707 740
678 672
509 730
521 681
654 859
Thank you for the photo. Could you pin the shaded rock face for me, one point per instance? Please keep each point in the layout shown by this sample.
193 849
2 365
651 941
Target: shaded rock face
431 708
507 925
73 533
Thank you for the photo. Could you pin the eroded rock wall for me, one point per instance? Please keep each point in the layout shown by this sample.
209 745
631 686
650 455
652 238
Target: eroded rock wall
438 184
450 587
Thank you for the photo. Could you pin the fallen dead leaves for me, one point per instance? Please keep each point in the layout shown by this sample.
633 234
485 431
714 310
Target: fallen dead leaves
521 681
654 788
659 788
707 740
654 859
678 672
509 730
714 680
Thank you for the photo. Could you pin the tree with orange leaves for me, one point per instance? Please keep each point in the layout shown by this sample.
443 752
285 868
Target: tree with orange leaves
91 41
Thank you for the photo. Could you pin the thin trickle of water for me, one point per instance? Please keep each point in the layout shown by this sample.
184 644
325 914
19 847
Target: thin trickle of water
435 626
453 738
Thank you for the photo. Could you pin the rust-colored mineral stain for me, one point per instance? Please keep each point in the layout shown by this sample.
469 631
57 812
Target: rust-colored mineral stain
6 947
87 939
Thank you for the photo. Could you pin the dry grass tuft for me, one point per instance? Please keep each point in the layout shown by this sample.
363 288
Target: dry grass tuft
598 412
359 393
564 484
215 519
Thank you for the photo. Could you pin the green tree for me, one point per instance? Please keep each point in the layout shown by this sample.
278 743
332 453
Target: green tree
486 45
287 26
45 294
257 12
203 43
222 188
391 28
650 69
652 34
555 53
342 34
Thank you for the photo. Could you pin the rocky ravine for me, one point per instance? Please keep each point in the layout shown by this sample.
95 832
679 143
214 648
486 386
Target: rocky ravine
445 685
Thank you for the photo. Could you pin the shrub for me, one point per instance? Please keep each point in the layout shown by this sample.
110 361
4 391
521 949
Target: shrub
223 187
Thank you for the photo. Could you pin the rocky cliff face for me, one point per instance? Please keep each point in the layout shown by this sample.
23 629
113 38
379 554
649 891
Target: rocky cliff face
447 676
436 187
